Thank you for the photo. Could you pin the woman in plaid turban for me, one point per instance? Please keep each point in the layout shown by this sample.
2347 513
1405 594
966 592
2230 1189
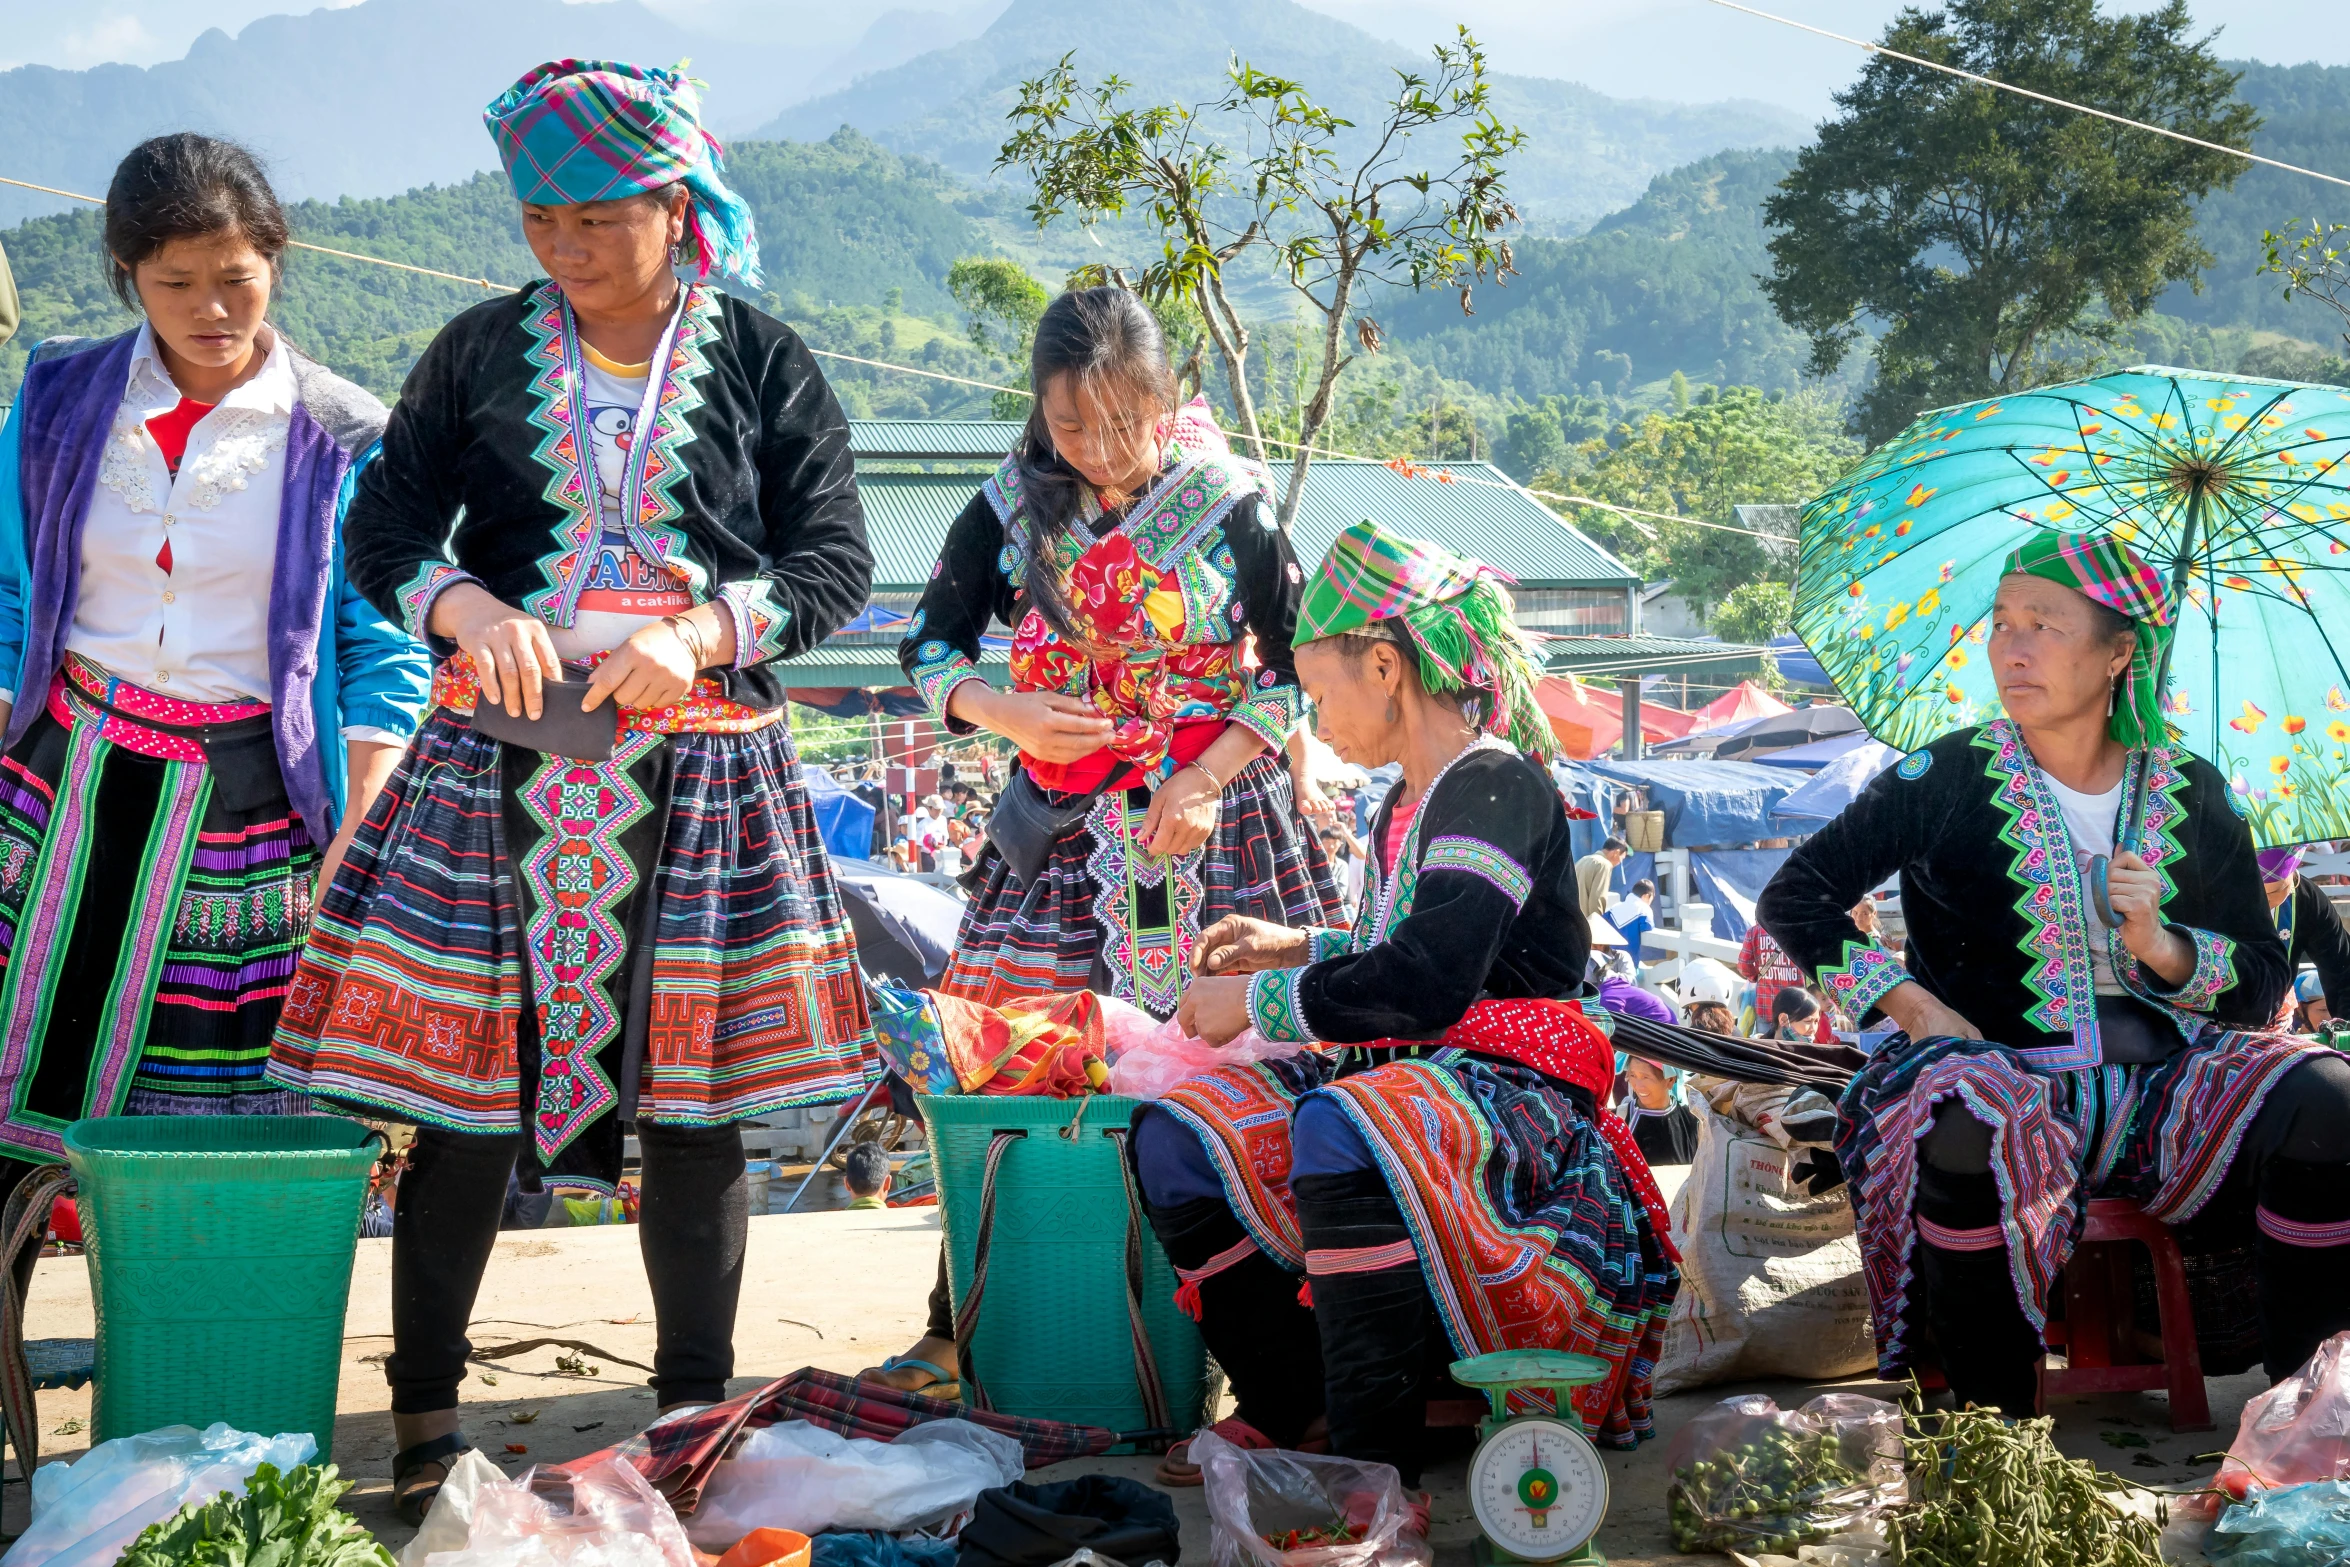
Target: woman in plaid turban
594 894
1441 1167
2045 1056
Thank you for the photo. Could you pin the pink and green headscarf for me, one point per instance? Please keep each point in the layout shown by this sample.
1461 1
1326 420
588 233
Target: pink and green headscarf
1458 614
595 130
2110 573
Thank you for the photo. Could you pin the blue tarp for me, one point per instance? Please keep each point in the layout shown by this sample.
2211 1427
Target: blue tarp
1835 786
1730 880
845 821
1725 803
1796 663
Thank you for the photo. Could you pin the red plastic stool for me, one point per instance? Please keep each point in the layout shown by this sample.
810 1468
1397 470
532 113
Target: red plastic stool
2097 1334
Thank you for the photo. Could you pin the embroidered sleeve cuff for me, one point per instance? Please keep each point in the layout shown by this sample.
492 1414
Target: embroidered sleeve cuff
1483 861
1324 942
1271 713
1862 979
759 621
1273 1007
2215 971
432 579
936 669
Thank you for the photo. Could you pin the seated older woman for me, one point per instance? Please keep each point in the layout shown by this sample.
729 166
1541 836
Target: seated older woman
1441 1167
2047 1056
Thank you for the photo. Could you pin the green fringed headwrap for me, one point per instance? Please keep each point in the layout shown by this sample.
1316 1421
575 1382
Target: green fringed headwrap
2109 572
1457 612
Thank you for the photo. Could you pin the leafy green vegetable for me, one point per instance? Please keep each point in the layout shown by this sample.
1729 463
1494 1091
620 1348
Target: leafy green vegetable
287 1520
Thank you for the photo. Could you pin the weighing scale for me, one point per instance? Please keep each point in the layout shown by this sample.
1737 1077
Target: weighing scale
1537 1483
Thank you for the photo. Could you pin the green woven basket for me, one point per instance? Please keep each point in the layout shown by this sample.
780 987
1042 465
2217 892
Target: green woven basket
220 1254
1054 1337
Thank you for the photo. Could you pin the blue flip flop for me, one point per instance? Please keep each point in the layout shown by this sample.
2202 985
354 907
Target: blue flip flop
943 1383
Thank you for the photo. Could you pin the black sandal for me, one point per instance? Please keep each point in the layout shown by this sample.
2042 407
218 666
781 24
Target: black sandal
412 1505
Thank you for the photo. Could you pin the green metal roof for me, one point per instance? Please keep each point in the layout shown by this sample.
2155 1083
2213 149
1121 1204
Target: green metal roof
1640 654
867 667
1480 512
936 439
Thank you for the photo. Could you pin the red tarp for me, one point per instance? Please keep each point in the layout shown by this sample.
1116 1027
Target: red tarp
1744 700
1589 722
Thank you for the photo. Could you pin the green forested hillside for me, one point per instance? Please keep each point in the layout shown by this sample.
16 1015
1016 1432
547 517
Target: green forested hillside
1667 284
851 235
2307 113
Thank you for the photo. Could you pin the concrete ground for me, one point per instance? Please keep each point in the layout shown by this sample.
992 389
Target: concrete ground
840 1291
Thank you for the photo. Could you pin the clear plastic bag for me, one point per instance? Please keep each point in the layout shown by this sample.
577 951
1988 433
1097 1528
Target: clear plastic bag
2297 1431
2299 1526
794 1475
1751 1477
612 1518
1148 1057
1276 1508
87 1513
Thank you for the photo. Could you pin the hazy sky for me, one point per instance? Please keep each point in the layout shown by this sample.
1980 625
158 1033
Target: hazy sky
1685 49
1690 49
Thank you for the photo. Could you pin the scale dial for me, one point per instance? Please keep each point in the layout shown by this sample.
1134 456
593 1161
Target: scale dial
1539 1488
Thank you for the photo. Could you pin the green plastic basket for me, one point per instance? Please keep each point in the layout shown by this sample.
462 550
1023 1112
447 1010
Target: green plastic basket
1054 1338
220 1254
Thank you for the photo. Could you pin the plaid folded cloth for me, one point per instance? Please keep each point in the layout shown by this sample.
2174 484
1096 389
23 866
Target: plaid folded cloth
676 1456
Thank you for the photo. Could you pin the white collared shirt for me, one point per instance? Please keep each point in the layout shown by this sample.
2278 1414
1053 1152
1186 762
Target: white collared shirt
201 629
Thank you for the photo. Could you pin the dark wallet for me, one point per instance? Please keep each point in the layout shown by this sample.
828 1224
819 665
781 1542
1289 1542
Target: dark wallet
561 729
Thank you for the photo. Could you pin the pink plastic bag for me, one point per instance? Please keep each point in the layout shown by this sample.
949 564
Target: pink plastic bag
2297 1431
1148 1057
1258 1497
614 1519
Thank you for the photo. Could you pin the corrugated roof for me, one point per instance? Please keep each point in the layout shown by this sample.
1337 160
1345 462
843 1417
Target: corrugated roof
1483 514
1613 655
907 439
866 666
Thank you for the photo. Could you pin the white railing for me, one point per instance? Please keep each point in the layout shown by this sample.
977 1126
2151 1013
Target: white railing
1693 939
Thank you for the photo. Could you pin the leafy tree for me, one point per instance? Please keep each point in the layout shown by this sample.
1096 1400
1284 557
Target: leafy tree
1741 448
2314 262
1754 612
1004 304
1987 236
1340 209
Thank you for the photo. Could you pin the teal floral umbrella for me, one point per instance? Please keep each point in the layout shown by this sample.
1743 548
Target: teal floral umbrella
2236 490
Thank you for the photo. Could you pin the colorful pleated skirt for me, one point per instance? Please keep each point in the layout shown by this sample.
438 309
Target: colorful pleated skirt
2161 1134
1532 1230
523 942
1102 916
151 912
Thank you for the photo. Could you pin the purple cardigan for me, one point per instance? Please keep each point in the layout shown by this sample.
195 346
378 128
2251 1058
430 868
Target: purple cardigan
372 674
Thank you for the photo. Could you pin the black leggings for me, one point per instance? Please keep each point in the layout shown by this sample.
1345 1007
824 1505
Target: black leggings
2294 1162
693 1224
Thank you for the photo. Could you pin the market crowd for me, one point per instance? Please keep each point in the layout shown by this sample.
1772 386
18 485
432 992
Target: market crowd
433 764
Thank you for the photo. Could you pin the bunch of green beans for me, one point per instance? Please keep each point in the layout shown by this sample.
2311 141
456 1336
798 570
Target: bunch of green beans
1987 1493
1781 1490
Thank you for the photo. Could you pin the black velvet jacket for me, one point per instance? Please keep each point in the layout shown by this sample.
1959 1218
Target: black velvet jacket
1487 907
1998 930
750 495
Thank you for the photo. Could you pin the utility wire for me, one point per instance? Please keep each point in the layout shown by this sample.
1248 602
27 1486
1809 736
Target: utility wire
324 250
2026 92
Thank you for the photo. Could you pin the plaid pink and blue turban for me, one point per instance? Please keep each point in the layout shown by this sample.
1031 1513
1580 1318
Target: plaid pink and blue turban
594 130
2110 573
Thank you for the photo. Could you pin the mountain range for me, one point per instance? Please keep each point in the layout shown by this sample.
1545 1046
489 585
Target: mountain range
371 99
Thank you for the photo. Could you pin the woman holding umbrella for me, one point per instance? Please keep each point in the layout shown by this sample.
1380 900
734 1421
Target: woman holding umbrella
2050 1053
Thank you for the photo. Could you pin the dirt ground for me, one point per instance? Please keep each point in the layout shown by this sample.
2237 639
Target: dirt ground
840 1291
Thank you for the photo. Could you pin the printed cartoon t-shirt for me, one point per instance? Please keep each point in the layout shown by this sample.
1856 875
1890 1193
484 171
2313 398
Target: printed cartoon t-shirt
624 590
